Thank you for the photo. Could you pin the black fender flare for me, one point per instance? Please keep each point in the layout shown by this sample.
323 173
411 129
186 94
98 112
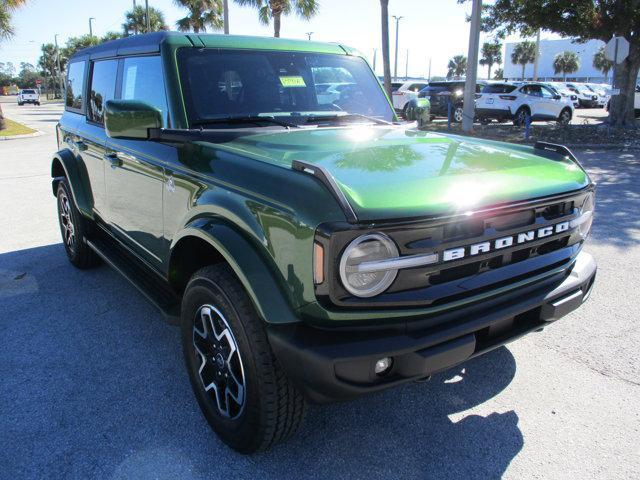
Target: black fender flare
65 164
248 264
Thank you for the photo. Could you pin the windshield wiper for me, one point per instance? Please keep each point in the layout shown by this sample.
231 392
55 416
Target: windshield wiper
348 116
244 119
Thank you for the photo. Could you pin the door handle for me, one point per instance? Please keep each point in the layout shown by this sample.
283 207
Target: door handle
113 160
79 146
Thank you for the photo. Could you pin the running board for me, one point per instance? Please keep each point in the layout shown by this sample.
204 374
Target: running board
158 293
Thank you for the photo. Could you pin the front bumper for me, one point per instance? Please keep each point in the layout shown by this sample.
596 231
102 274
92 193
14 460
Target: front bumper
333 365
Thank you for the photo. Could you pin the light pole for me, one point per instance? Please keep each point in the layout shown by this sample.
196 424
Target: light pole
406 67
225 15
308 34
146 7
91 19
472 68
375 57
537 58
395 65
55 39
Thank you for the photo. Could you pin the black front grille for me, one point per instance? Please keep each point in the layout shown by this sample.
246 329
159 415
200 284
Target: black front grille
448 281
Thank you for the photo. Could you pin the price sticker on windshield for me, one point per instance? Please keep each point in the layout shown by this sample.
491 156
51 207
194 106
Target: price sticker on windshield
292 82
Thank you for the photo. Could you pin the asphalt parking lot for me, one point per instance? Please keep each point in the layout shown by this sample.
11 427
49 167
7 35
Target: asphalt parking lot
93 385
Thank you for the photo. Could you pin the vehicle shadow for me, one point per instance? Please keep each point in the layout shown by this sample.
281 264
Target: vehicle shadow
617 174
93 386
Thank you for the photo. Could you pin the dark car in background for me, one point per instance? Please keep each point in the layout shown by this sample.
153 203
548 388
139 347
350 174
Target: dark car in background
440 94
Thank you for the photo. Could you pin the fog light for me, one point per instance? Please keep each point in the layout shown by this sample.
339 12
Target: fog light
383 365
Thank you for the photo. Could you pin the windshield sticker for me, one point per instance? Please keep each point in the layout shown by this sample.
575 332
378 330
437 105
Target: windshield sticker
292 82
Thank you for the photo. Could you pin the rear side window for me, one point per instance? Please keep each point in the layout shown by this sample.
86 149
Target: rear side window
498 88
395 86
75 86
103 87
142 80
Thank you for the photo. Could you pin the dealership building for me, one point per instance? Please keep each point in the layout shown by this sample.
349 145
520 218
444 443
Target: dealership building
548 50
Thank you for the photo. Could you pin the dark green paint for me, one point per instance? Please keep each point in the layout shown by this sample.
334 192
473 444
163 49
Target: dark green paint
244 199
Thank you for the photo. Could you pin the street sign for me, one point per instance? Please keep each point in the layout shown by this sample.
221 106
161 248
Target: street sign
617 49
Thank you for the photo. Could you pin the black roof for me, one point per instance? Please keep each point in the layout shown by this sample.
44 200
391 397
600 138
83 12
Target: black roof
134 44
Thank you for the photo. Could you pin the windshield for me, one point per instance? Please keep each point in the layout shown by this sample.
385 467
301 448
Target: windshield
300 86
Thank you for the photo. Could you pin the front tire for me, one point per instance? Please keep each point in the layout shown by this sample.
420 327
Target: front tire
74 228
520 118
240 387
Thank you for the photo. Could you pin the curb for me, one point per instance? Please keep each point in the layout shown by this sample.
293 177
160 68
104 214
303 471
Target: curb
37 133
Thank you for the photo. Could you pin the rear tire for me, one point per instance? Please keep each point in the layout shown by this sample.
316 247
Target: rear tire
226 350
458 113
565 117
74 228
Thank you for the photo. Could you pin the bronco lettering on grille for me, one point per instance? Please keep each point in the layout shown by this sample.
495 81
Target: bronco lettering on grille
503 242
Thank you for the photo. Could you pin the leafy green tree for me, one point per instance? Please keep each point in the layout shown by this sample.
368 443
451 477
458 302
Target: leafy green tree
566 62
498 74
112 36
601 63
583 20
6 9
78 43
136 20
386 62
28 75
457 67
491 55
47 61
6 31
524 53
202 14
274 10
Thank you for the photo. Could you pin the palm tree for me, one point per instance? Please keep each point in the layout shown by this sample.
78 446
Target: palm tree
491 55
136 20
275 9
601 63
498 74
6 31
202 14
523 53
47 60
386 63
457 67
566 62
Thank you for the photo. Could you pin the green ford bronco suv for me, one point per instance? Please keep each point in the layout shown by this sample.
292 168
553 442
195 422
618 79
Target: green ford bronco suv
262 193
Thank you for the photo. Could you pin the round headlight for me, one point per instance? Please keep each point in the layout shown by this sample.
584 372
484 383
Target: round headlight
586 214
356 272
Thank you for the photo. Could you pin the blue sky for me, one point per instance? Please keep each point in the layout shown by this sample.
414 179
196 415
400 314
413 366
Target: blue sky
433 29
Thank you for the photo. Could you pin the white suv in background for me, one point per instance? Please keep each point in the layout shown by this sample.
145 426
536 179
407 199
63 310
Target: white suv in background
562 89
405 92
28 95
586 97
504 101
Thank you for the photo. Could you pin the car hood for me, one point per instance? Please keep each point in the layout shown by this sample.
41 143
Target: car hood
395 172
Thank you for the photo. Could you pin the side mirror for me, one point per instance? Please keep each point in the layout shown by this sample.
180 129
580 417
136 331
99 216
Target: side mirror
557 97
130 119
